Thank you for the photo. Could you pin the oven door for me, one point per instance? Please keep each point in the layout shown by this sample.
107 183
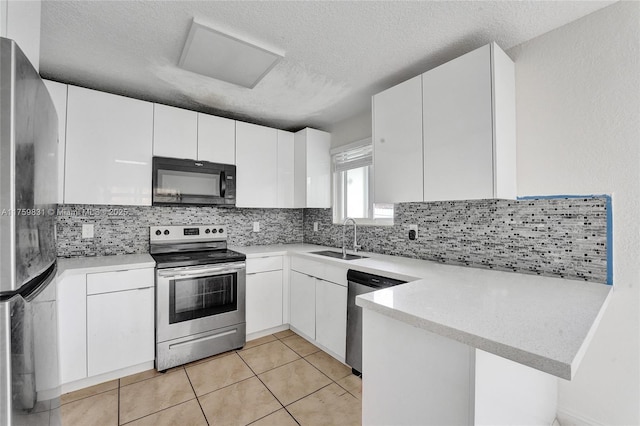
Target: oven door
196 299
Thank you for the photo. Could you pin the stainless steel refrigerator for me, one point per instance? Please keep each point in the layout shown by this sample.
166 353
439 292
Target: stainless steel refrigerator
29 375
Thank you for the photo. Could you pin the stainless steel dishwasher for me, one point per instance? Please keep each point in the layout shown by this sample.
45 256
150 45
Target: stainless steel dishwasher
360 283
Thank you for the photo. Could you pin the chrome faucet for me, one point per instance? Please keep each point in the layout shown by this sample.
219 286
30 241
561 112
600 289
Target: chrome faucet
344 243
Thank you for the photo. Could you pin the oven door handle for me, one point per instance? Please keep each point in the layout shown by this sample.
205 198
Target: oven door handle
200 272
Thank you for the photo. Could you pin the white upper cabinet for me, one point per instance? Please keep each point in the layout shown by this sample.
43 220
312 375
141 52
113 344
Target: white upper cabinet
109 149
20 21
285 169
58 92
257 165
216 139
312 186
469 127
175 132
397 143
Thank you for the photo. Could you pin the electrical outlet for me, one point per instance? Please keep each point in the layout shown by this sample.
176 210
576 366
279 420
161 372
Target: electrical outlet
413 232
87 230
256 226
315 226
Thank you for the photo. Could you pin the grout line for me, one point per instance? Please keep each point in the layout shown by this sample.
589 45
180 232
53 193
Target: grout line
266 387
159 411
196 396
118 414
173 370
88 396
315 391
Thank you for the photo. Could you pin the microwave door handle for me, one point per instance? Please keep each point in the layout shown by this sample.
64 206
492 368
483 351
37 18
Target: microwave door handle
223 184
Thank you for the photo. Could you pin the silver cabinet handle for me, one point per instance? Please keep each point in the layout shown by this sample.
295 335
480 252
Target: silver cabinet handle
195 271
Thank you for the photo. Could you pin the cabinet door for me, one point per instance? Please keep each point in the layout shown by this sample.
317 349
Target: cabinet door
458 129
72 328
264 300
58 92
397 143
331 316
318 169
303 303
257 166
109 149
285 169
120 330
216 139
175 132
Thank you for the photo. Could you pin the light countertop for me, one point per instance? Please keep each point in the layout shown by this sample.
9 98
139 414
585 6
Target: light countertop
543 322
84 265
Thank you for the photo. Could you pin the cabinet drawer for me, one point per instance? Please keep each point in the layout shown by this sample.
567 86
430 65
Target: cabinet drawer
332 273
107 282
264 264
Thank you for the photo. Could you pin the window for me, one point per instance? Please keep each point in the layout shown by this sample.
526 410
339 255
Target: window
353 186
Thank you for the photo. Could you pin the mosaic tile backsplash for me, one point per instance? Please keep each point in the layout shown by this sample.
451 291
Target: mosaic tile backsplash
553 237
125 229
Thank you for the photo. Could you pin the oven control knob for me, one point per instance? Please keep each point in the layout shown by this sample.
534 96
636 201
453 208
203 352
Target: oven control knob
206 231
214 230
221 230
158 232
166 232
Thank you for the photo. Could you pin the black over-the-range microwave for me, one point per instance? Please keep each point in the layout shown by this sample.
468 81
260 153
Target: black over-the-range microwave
180 181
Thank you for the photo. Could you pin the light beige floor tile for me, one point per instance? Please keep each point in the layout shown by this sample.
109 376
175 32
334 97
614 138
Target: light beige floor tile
185 414
259 341
55 419
329 365
146 397
279 418
294 381
135 378
98 410
218 373
300 345
200 361
90 391
268 356
331 405
283 334
353 384
239 404
144 375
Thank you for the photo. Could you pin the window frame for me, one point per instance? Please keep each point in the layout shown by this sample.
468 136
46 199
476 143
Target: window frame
338 189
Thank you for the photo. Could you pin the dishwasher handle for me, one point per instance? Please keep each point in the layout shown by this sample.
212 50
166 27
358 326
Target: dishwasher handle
371 280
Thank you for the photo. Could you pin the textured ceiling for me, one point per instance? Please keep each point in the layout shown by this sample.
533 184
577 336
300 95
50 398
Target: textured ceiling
338 53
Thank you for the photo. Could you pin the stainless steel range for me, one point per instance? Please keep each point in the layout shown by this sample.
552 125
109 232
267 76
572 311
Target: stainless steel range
200 293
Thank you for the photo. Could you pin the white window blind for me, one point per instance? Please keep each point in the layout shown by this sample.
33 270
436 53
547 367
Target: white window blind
354 158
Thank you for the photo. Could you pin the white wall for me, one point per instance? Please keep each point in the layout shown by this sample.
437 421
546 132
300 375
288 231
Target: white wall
578 124
351 129
20 21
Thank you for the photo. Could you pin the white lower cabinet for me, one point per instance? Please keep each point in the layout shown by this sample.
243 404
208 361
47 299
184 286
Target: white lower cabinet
120 330
303 303
319 306
264 300
106 322
72 327
331 316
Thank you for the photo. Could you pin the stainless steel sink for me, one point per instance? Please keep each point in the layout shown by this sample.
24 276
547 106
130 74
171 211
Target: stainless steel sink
338 255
